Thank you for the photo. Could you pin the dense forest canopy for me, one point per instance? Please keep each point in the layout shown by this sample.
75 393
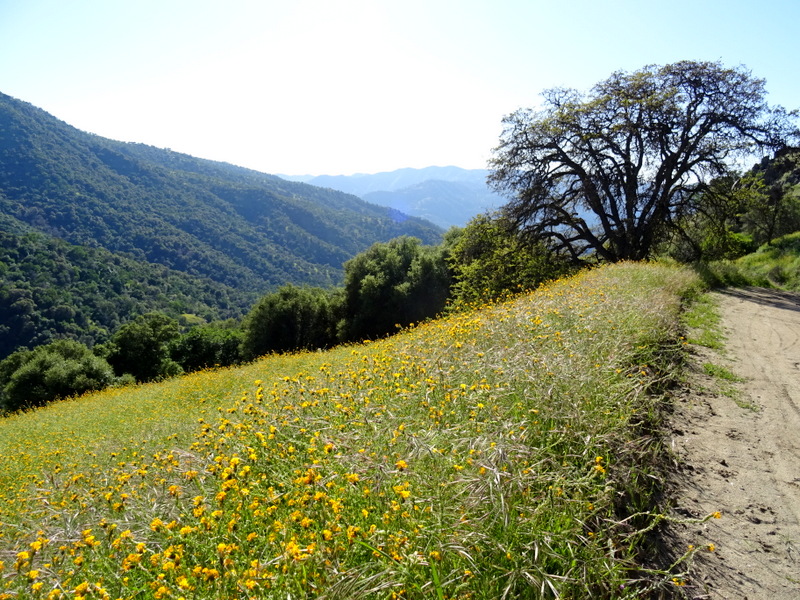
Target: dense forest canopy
50 289
95 232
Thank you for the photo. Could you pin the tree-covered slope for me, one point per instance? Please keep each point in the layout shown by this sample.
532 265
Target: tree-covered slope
50 289
238 227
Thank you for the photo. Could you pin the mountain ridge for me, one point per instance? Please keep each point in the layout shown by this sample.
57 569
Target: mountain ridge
97 231
229 223
447 196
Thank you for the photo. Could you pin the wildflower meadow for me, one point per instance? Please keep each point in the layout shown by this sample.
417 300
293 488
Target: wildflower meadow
505 451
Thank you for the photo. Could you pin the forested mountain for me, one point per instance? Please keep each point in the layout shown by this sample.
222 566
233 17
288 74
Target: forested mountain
50 289
444 195
233 225
150 229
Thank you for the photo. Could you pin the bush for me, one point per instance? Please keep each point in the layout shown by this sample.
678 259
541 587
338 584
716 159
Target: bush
293 318
63 368
488 259
141 348
394 283
214 345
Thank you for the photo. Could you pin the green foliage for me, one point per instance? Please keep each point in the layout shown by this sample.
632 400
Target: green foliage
141 348
50 289
722 273
713 228
734 215
146 229
393 284
776 264
720 372
293 318
778 213
212 345
702 321
725 206
488 259
245 229
613 172
60 369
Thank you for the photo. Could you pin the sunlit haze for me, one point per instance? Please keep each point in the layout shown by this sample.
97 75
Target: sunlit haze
339 87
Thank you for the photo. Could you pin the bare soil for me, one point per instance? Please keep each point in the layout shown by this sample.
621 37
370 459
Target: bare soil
737 445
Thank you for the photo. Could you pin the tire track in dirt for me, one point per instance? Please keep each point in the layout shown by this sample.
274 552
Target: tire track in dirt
740 454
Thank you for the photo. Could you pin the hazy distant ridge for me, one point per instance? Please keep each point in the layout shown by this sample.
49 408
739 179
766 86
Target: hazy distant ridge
443 195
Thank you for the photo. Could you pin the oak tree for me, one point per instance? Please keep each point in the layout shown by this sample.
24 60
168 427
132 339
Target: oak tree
611 172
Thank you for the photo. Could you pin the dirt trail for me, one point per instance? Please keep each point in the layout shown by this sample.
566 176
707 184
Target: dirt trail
740 454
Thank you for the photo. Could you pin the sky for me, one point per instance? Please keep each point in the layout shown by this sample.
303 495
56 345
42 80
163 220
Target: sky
357 86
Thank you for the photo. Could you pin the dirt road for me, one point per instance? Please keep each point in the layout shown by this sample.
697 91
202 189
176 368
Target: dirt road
739 453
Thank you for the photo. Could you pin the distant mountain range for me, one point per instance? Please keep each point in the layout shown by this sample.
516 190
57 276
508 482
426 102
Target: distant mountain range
221 234
445 196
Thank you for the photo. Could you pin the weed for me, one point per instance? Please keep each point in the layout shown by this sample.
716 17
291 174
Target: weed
703 322
721 372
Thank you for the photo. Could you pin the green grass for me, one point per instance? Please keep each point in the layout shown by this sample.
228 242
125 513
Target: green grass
703 323
719 372
776 264
507 452
773 265
724 379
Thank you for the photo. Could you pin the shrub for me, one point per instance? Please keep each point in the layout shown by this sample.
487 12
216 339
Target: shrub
489 259
62 368
292 318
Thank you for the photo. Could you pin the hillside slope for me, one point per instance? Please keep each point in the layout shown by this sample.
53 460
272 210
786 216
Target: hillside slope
503 452
50 289
446 196
235 226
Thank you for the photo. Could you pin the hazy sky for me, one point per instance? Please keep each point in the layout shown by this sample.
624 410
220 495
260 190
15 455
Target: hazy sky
346 86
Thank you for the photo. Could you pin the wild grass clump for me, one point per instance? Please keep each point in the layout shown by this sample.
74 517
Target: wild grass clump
505 452
773 265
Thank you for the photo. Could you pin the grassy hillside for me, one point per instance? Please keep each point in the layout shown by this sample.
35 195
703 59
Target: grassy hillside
503 452
773 265
776 264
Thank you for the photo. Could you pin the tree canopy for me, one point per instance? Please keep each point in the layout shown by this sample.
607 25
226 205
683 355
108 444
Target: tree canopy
291 318
489 258
62 368
393 284
141 347
611 172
